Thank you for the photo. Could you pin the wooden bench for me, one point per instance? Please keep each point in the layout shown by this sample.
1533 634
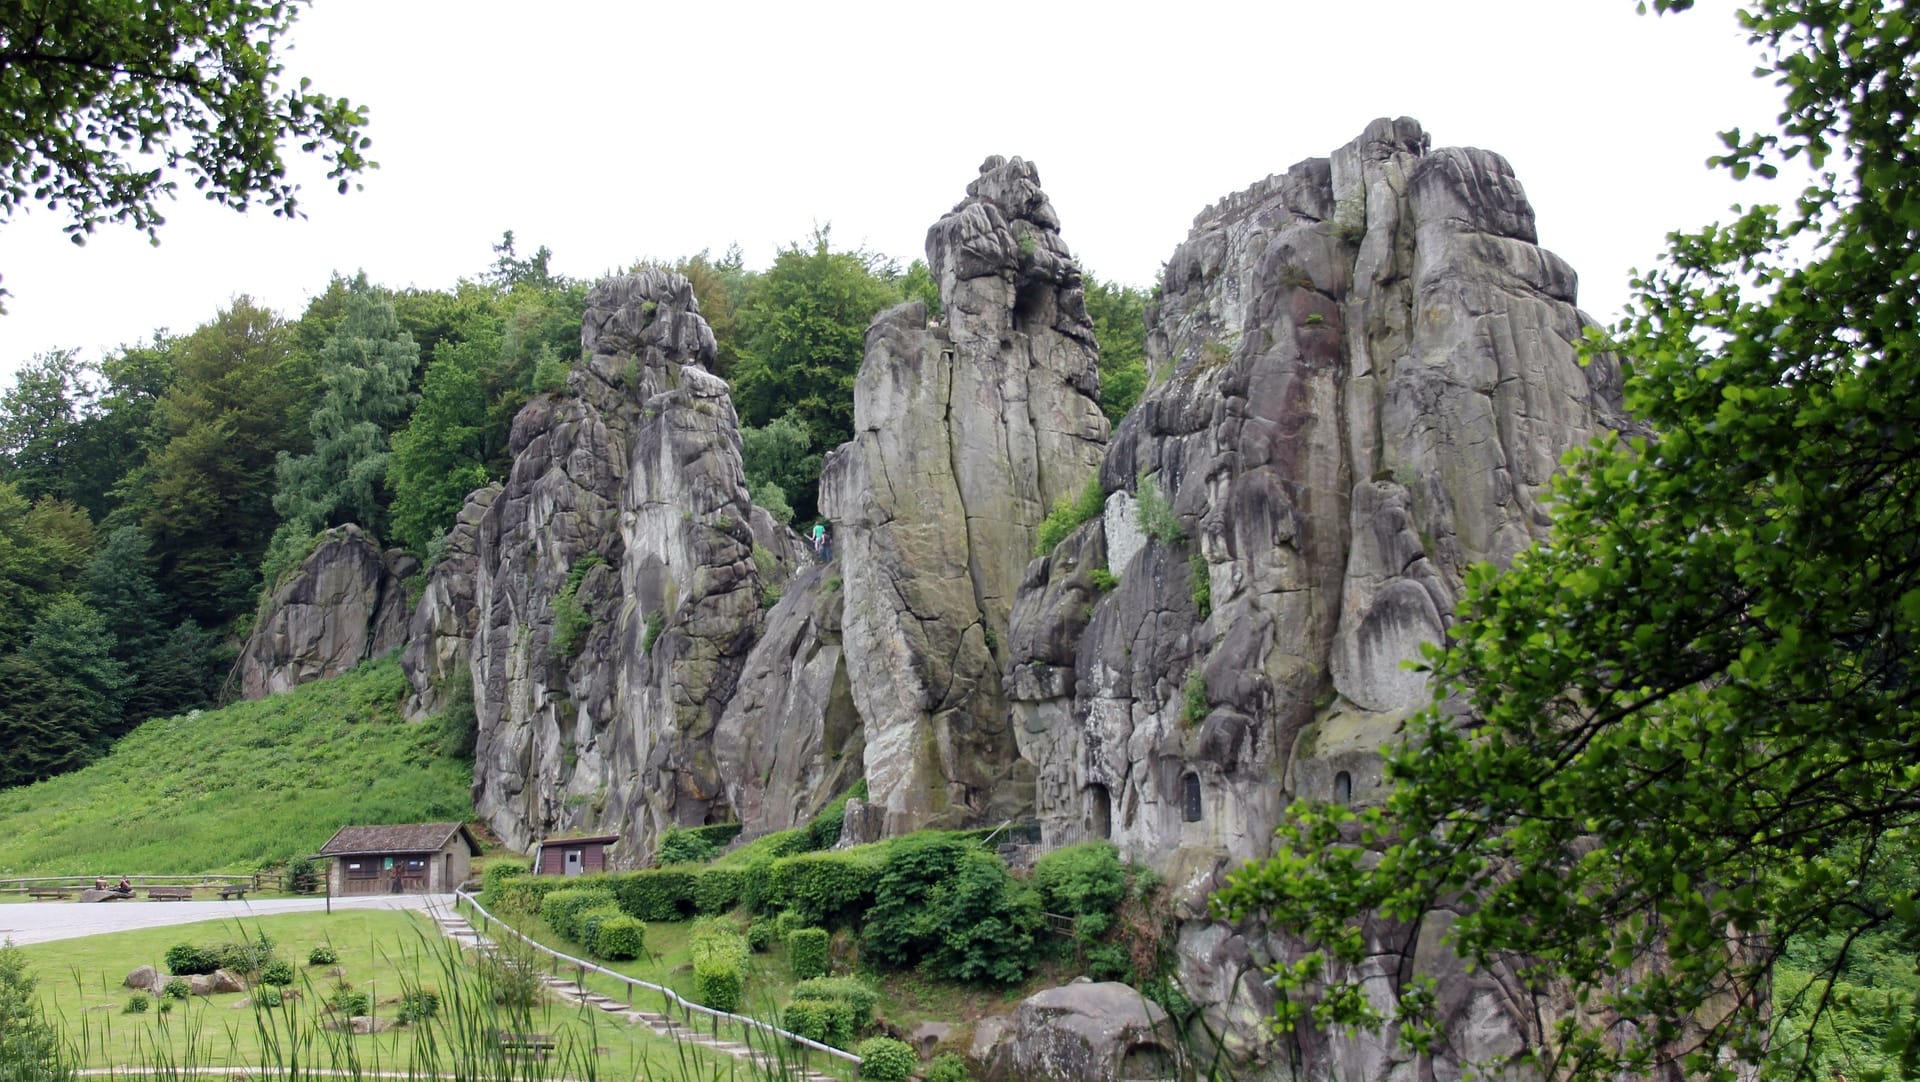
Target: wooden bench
170 894
50 894
230 892
534 1045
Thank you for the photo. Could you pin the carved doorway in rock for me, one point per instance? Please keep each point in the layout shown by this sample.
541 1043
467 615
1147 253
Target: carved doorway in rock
1099 811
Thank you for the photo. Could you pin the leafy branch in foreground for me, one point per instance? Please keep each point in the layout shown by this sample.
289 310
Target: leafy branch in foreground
1679 735
107 102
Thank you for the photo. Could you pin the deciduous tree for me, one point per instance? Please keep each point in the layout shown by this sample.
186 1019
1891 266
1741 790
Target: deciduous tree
109 105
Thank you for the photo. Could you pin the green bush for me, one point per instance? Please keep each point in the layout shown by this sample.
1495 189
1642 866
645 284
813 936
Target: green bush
177 988
1155 515
660 895
498 873
526 893
760 936
718 890
591 921
855 993
140 1001
186 960
826 889
807 952
785 923
950 907
620 938
719 963
685 847
571 622
561 909
883 1059
1081 879
1068 515
812 1019
1202 584
277 973
322 955
824 831
756 880
346 1001
267 997
303 875
419 1005
243 958
166 1006
948 1067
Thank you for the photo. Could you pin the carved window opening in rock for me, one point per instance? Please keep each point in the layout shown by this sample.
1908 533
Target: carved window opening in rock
1190 797
1343 788
1100 811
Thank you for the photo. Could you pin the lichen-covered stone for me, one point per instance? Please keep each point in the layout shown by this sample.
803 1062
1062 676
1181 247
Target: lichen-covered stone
965 435
1364 374
347 602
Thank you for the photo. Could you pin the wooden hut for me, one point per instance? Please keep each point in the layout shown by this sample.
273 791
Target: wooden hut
416 858
573 856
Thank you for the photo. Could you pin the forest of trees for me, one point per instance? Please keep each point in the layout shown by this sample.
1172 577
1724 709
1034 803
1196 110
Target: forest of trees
151 497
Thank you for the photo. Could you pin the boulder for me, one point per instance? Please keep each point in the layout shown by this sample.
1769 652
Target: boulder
144 978
347 602
216 983
1083 1030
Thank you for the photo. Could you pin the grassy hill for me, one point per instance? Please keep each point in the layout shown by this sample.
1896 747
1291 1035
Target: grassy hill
229 789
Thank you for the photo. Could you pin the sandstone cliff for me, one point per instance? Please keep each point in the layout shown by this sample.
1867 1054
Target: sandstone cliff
1363 377
346 603
603 599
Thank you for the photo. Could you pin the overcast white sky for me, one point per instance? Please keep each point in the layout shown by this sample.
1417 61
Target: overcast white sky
612 131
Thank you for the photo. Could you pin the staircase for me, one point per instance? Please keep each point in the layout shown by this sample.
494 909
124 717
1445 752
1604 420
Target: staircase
454 926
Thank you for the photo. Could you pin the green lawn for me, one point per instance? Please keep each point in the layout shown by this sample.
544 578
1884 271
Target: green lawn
383 953
229 789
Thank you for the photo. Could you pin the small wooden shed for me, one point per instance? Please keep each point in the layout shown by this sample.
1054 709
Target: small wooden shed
415 858
573 856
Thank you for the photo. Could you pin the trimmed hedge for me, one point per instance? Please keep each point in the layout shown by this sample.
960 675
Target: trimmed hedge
495 878
562 909
812 1019
718 890
589 922
526 893
620 938
756 883
826 889
857 997
807 952
760 936
719 964
883 1059
658 894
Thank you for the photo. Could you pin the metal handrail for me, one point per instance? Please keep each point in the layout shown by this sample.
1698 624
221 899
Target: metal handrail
686 1005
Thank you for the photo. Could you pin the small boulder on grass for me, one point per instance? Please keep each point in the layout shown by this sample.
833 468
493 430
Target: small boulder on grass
145 978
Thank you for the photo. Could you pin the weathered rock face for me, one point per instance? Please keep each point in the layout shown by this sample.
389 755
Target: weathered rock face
347 603
1084 1030
964 436
615 586
440 635
1363 378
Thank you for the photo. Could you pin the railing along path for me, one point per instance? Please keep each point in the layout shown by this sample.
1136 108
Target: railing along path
688 1007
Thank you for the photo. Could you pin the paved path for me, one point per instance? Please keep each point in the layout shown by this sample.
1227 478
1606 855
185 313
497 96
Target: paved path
42 922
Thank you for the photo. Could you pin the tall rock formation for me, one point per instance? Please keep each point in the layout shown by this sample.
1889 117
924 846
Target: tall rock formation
965 435
347 602
604 599
1363 377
